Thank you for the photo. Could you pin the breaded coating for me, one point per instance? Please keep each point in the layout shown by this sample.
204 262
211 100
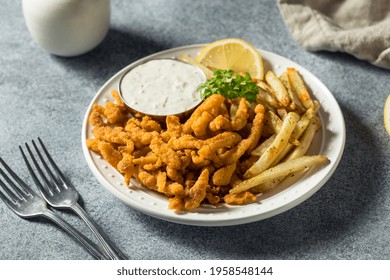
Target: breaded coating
109 153
175 175
126 167
167 154
148 179
175 189
222 176
212 199
198 192
234 123
115 114
173 126
210 105
96 117
199 126
149 124
138 135
187 141
241 117
93 144
240 198
222 140
234 154
257 127
219 123
113 135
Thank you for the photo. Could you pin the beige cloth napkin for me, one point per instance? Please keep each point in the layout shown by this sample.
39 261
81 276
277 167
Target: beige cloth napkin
358 27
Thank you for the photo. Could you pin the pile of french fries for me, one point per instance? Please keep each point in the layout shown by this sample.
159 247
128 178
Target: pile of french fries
290 126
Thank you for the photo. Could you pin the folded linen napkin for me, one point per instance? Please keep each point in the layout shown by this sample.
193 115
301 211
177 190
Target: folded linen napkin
358 27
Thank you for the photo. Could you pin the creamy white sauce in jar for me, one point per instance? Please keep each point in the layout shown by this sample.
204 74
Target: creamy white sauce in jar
162 87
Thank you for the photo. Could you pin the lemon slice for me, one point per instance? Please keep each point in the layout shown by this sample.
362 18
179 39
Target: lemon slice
386 114
233 54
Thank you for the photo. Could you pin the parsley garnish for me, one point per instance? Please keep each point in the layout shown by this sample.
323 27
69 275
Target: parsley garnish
223 82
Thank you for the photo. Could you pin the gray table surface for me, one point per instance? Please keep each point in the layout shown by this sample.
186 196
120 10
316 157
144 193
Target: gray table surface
47 96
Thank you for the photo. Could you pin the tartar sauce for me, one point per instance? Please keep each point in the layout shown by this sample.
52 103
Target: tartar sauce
162 87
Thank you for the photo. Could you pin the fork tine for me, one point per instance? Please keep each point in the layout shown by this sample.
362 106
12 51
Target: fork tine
57 183
11 195
53 164
32 173
23 190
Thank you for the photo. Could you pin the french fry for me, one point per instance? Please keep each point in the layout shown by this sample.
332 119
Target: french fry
302 124
280 170
278 88
295 102
277 146
273 121
282 112
299 129
270 184
305 141
299 151
190 60
266 97
299 87
263 146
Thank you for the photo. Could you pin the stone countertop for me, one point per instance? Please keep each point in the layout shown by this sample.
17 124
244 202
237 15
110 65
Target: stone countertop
47 96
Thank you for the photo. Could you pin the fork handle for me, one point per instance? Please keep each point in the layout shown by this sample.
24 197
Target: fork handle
81 238
108 246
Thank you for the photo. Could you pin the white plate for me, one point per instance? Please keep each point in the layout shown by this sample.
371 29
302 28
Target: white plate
329 141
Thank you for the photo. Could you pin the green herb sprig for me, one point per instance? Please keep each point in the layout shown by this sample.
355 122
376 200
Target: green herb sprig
223 82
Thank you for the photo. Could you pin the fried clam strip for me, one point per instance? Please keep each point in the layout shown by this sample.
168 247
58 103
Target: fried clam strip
210 105
169 188
222 176
140 136
167 154
115 114
221 140
246 145
239 198
235 122
96 117
109 153
173 128
200 125
299 151
280 170
106 137
194 196
187 141
240 118
126 167
277 146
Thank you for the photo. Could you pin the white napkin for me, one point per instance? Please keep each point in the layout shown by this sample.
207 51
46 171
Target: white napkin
358 27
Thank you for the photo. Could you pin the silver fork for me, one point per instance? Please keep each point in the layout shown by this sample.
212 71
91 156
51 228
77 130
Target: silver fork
60 193
22 200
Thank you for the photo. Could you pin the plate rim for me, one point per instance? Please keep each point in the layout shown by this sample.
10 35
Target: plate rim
181 219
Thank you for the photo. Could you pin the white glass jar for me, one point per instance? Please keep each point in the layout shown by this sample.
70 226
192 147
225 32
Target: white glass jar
67 27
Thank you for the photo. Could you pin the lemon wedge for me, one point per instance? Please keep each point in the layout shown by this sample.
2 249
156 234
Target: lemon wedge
233 54
386 114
